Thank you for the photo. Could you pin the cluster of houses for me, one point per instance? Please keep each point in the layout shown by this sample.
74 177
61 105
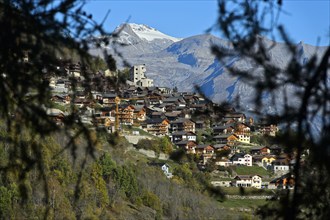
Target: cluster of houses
162 112
272 158
285 181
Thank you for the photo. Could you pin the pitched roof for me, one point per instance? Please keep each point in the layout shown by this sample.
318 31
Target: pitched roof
181 120
219 146
285 176
202 146
245 177
242 177
155 120
54 112
236 156
172 114
109 95
179 133
256 148
182 142
224 126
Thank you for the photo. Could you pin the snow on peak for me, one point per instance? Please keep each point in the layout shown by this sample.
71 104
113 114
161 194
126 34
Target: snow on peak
147 33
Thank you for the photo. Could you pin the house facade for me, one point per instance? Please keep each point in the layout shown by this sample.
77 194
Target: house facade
224 163
139 114
281 166
270 130
247 181
206 151
157 126
166 169
243 132
137 77
287 181
183 125
267 161
126 115
242 159
183 135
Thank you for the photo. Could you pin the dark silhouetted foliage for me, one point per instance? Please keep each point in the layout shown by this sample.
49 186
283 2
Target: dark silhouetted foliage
39 39
244 23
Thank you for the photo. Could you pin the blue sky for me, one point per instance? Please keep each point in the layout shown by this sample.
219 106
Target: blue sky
304 20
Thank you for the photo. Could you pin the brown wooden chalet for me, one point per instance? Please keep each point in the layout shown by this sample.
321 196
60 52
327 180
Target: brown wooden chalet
205 149
126 115
224 129
228 139
188 146
182 124
156 126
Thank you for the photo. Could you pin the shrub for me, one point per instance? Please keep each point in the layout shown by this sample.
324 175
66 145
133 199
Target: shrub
158 145
151 200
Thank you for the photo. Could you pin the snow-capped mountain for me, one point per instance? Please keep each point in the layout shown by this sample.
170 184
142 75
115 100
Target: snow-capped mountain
134 40
184 63
142 32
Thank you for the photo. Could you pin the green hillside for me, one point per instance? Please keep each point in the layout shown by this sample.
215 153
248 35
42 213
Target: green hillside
116 183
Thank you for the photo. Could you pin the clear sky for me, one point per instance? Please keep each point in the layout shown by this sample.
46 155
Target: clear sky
306 20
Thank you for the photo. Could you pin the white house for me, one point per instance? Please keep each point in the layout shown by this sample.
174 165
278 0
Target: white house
224 163
281 168
183 135
247 181
256 181
166 170
241 159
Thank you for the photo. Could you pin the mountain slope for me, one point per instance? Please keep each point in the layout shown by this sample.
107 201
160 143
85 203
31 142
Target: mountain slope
184 63
143 32
136 40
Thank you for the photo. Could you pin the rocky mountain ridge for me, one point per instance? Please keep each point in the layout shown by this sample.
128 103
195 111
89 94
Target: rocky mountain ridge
185 63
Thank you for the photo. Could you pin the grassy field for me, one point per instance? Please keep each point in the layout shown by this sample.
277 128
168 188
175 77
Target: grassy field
254 170
244 208
141 131
243 203
246 191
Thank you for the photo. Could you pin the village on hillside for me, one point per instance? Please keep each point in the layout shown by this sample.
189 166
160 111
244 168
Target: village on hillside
225 140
